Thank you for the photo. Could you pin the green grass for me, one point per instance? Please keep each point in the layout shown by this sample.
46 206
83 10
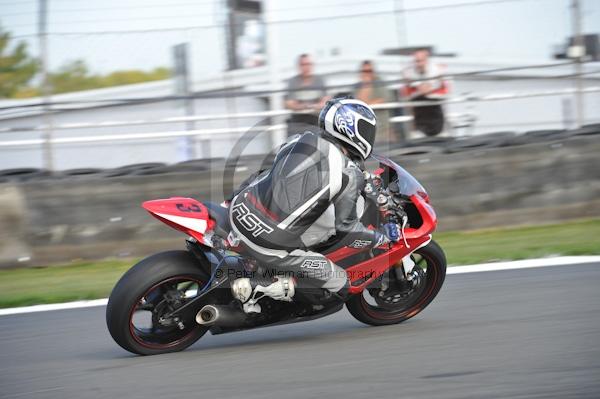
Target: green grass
92 280
572 238
21 287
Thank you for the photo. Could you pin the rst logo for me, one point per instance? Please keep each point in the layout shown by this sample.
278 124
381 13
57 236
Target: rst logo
314 263
360 244
250 221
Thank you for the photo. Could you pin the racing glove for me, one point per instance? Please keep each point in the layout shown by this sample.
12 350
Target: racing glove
391 231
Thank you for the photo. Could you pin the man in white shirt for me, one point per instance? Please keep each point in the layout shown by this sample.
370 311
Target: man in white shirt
423 83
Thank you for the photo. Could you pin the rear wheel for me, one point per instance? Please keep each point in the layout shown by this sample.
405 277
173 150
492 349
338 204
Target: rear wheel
137 314
403 298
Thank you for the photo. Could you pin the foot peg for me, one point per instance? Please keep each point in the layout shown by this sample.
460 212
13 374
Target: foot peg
249 291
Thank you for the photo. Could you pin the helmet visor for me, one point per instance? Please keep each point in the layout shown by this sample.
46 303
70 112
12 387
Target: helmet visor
367 131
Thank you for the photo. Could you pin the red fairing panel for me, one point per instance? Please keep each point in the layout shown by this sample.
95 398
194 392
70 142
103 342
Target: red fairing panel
343 253
183 214
363 274
427 214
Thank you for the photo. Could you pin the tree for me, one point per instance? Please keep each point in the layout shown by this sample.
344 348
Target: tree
16 66
75 76
134 76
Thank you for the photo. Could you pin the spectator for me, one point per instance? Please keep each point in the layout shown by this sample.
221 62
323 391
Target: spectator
306 93
420 86
371 90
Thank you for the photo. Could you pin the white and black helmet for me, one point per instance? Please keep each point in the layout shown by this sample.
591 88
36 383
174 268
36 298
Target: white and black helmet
352 122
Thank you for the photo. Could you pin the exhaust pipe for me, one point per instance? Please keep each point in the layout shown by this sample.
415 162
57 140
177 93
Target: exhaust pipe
207 315
221 316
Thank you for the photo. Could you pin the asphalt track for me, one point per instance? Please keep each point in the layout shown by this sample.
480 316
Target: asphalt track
530 333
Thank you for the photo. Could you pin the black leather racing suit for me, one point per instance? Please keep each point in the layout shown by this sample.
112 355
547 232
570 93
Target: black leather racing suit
308 195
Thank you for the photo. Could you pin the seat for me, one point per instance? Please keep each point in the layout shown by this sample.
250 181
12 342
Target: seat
220 215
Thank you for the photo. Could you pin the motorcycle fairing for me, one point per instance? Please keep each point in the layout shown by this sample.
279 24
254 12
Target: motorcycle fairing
184 214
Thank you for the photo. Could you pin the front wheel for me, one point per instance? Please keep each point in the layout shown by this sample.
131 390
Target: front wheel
402 299
139 305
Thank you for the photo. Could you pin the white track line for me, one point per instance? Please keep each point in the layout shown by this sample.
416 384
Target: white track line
484 267
54 306
524 264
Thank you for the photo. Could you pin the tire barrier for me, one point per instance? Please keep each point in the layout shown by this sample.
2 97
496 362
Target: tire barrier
22 174
80 173
416 147
414 151
427 142
159 170
196 165
544 134
430 141
202 163
133 169
533 137
586 130
491 140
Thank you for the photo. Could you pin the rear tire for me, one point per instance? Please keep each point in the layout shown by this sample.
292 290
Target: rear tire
367 313
132 289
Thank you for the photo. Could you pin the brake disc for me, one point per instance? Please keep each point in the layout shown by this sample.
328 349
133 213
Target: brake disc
399 292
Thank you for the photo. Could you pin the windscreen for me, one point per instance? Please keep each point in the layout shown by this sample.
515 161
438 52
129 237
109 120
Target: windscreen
407 184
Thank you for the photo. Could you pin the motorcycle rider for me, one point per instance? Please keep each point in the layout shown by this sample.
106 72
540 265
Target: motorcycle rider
310 195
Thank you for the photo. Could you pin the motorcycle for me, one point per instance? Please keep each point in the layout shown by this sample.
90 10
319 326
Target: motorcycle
169 300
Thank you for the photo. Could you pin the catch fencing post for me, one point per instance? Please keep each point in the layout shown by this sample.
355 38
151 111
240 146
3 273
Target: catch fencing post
577 51
46 92
278 136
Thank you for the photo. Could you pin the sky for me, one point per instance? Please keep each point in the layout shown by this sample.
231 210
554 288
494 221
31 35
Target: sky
520 30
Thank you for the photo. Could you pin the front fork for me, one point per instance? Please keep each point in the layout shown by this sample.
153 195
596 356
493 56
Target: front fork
402 272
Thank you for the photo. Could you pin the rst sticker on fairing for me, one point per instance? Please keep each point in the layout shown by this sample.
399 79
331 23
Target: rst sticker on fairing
360 244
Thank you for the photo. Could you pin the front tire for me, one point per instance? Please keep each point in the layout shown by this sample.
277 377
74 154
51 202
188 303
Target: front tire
432 261
149 288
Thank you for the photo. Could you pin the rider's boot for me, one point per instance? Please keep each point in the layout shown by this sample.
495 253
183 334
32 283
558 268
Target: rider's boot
250 290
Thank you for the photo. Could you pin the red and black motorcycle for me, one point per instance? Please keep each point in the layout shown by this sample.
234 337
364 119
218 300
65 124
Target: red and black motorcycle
169 300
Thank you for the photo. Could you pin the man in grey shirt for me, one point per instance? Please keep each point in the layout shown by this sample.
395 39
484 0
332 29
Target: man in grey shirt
306 93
